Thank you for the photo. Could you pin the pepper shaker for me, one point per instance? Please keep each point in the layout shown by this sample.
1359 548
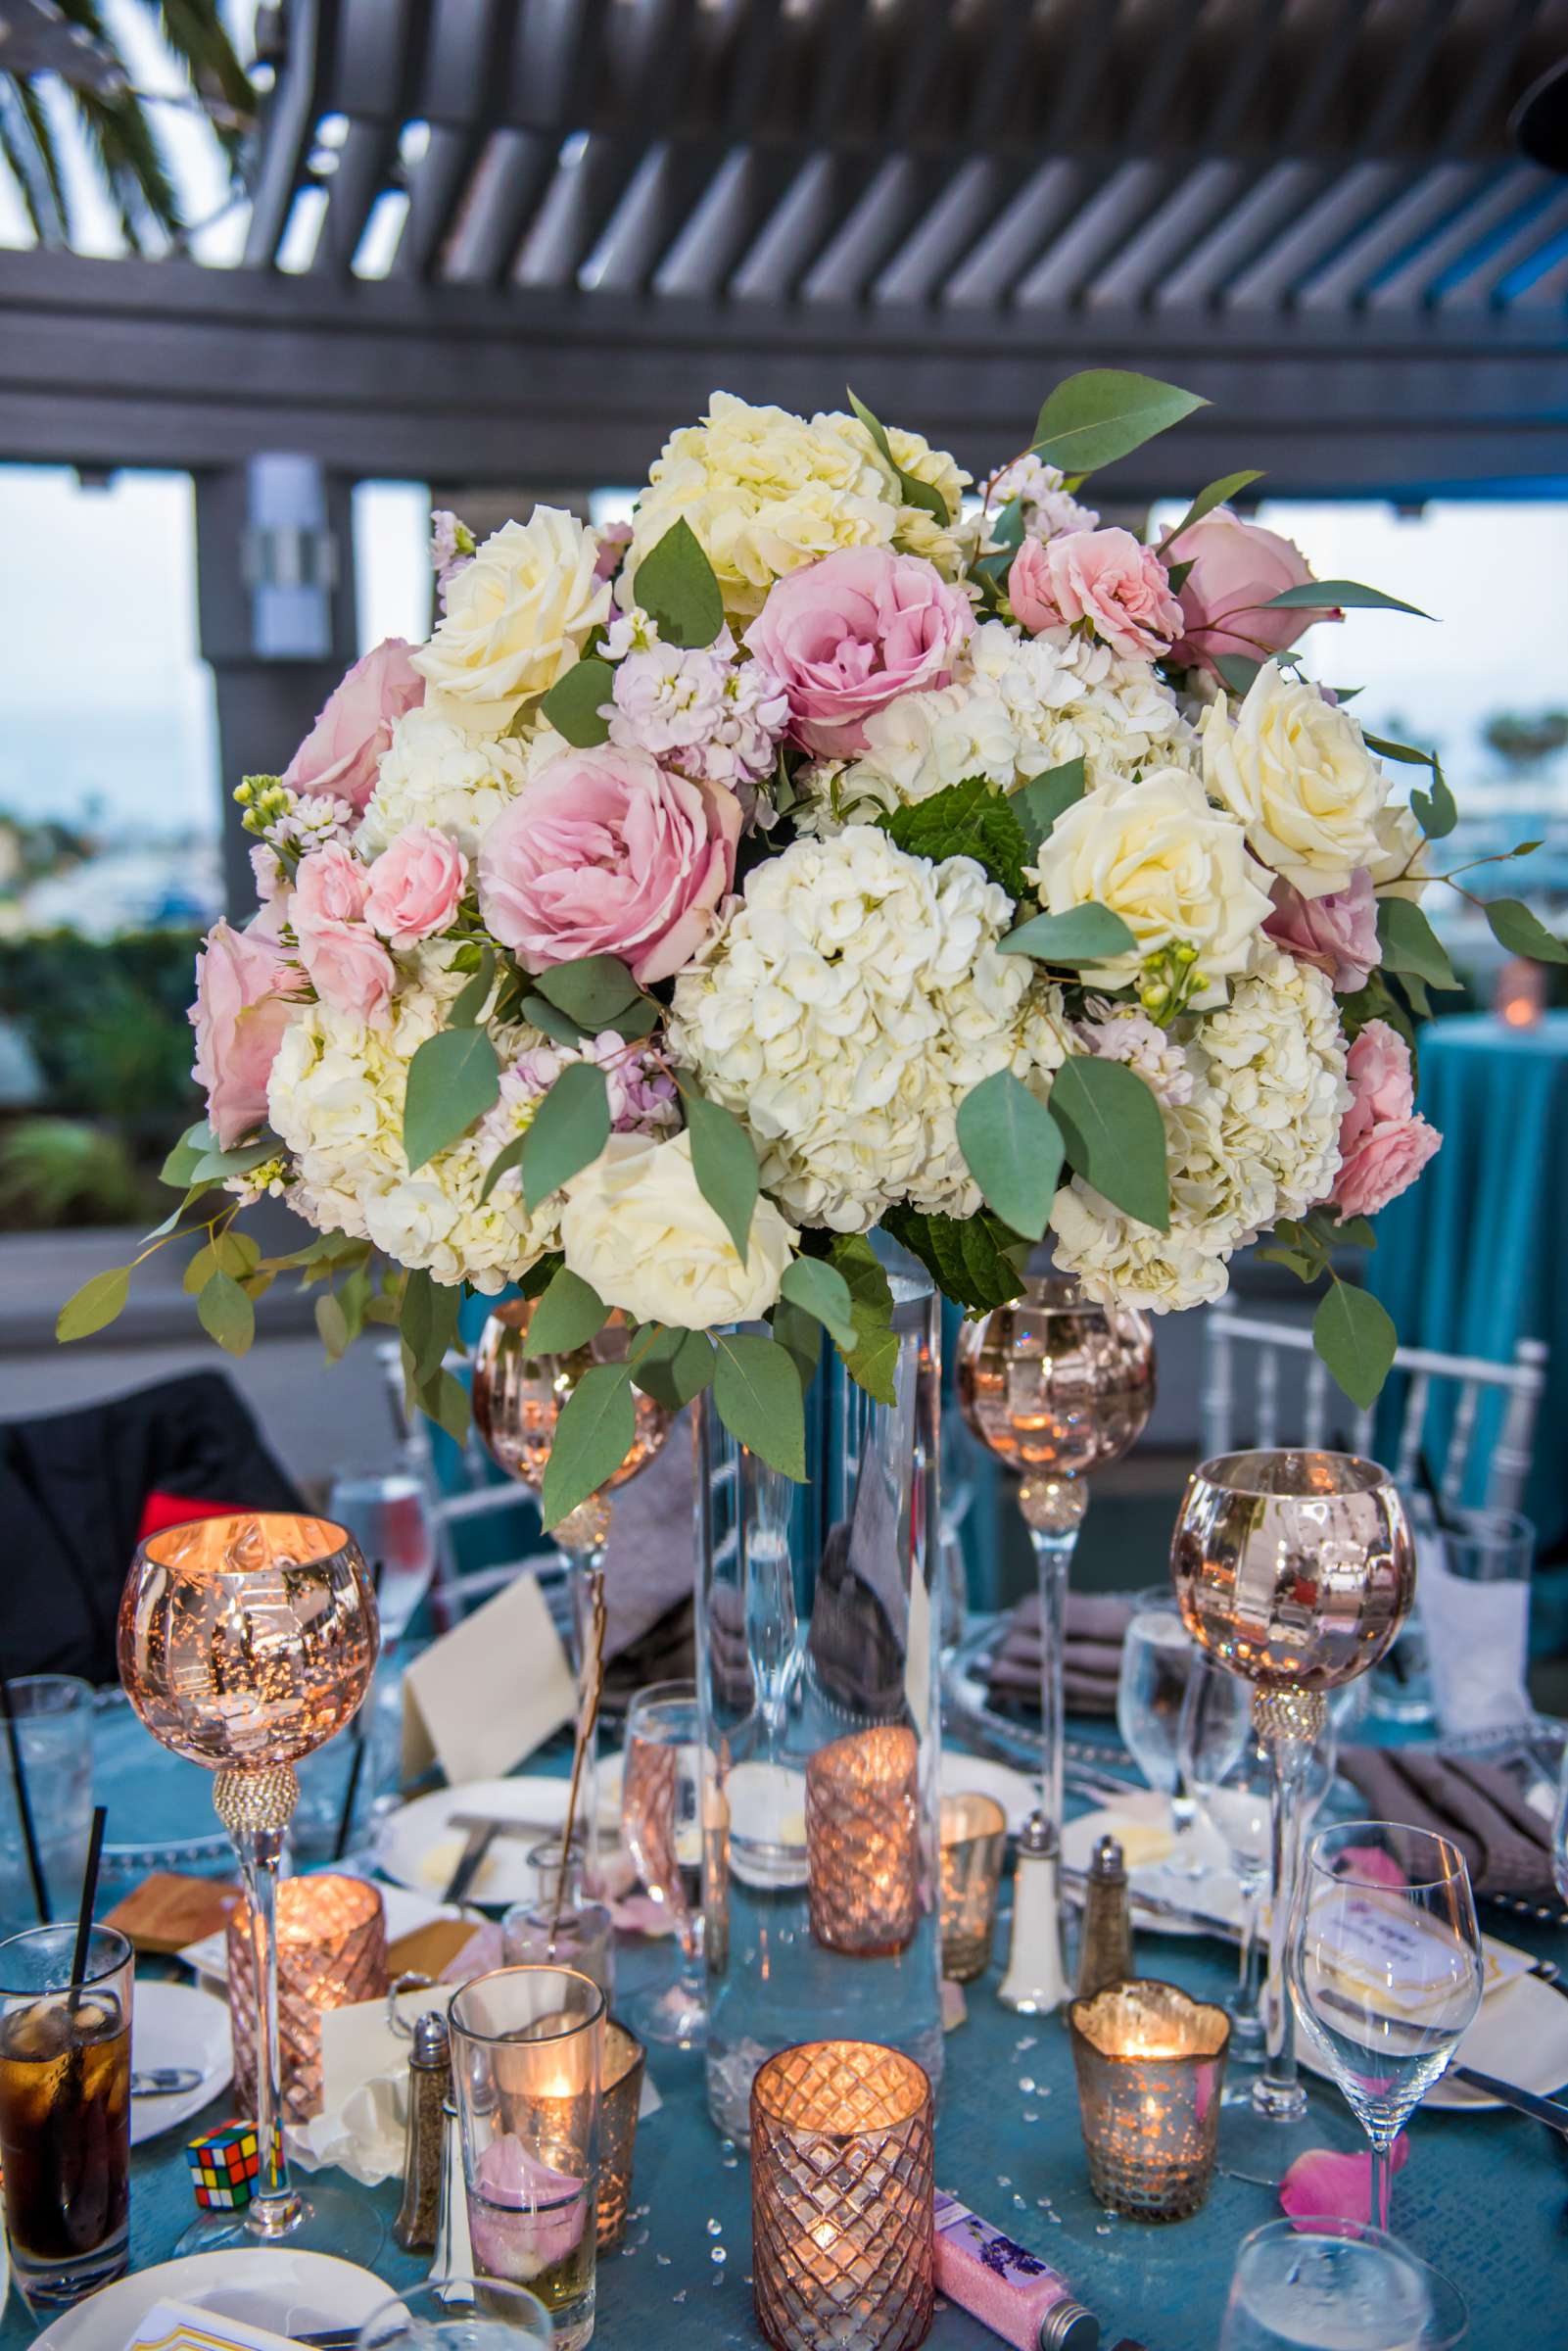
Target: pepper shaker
429 2089
1036 1980
1106 1954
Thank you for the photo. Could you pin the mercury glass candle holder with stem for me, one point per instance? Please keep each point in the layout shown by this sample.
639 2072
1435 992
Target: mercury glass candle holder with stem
1296 1569
518 1399
1057 1387
246 1642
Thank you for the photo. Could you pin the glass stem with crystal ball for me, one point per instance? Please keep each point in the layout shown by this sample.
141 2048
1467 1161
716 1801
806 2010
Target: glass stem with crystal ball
254 1807
1053 1511
1287 1722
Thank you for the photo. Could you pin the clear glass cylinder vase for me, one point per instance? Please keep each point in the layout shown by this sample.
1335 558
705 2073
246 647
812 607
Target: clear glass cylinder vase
816 1669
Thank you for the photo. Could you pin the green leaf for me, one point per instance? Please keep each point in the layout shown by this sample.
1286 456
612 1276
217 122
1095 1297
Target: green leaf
572 705
567 1315
594 991
723 1162
1345 596
1012 1146
975 1261
214 1166
428 1321
1176 575
95 1305
231 1253
550 1019
453 1078
873 1361
1305 1269
1437 811
594 1435
676 587
820 1290
1087 934
801 1333
1356 1232
506 1158
1114 1135
446 1402
569 1129
1043 798
675 1366
179 1167
1406 753
1415 990
1228 485
1105 414
1238 672
915 493
757 1391
470 1003
1356 1339
225 1313
1522 933
965 820
333 1324
1411 944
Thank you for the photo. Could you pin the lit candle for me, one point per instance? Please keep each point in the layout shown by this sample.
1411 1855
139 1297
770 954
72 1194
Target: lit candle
1521 993
863 1842
1150 2063
332 1954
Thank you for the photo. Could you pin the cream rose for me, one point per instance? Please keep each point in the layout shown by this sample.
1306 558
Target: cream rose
1174 869
635 1226
1402 867
516 618
1296 772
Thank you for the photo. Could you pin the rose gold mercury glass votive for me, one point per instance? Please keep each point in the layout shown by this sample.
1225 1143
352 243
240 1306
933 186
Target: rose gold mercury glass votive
620 2096
1151 2064
863 1842
973 1835
332 1954
842 2198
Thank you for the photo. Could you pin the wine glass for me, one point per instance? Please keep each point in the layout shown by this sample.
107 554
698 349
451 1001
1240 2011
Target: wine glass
388 1513
1385 1970
661 1813
459 2314
1229 1772
1159 1658
1559 1830
1294 1569
1339 2287
246 1642
518 1399
1056 1386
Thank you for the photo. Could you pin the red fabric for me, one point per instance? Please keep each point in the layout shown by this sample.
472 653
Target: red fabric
161 1509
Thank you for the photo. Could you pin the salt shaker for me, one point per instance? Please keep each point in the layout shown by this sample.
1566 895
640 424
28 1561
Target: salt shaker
1035 1980
1105 1956
429 2089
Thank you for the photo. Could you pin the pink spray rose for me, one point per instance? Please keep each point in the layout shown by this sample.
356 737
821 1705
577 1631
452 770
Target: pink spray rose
1338 933
416 885
349 969
342 749
330 887
1104 577
239 1015
608 853
1236 567
1383 1145
846 636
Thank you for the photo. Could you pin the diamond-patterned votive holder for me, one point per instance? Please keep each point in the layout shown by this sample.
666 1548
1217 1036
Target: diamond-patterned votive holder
974 1845
1151 2065
620 2096
842 2198
332 1954
863 1842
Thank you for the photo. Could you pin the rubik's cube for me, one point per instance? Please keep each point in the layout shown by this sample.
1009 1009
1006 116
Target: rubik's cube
224 2166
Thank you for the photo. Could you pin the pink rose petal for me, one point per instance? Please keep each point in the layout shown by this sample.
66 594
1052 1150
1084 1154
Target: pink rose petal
1323 2186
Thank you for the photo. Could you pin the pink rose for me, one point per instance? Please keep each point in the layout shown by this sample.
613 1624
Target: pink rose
1104 577
342 749
608 853
416 885
239 1015
1382 1087
846 636
1236 568
330 887
1383 1146
1338 933
349 970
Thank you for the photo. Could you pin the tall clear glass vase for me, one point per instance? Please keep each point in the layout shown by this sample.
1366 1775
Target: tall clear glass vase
816 1667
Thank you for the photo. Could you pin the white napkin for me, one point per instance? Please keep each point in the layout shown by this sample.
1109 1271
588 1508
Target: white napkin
363 2120
181 2327
1478 1633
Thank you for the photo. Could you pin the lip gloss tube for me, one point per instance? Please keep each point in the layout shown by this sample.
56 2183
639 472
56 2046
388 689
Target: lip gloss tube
1009 2289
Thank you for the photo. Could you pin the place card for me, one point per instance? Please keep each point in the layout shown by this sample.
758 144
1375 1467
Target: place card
484 1696
181 2327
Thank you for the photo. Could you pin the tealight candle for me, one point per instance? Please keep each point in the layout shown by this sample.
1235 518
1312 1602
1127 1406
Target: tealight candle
1151 2065
974 1845
332 1954
863 1842
620 2095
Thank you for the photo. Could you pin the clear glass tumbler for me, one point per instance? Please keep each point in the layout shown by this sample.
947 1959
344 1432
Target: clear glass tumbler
459 2314
47 1745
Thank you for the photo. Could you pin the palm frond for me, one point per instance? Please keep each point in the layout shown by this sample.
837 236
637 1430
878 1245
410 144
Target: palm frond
27 147
194 31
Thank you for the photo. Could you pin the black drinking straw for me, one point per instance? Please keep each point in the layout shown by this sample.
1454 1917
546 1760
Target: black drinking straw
30 1835
89 1897
356 1761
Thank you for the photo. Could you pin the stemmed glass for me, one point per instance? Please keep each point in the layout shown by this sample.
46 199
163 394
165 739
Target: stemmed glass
661 1813
1329 2283
1295 1570
1057 1387
1385 1970
247 1642
1159 1660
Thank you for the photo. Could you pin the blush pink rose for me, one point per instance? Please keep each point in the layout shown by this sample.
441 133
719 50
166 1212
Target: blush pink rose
1383 1145
416 885
847 635
331 885
1323 2186
1103 577
241 1010
1382 1087
349 969
1236 567
1338 933
608 853
342 749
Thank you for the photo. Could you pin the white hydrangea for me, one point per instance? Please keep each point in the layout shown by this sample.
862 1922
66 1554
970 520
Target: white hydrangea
1119 1263
854 998
435 772
336 1097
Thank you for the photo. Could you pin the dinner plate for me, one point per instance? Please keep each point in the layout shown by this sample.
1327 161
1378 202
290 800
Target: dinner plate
172 2024
420 1848
1520 2034
976 1775
288 2292
1141 1826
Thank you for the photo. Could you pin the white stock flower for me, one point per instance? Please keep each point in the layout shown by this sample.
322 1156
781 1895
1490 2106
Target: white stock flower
1296 771
516 616
1126 1032
704 710
854 998
435 772
1175 870
635 1226
1048 506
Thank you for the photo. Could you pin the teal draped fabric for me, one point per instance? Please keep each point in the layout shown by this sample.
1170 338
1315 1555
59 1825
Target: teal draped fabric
1473 1258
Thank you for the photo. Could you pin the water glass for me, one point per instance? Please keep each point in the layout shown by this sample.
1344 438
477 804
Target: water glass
661 1813
1158 1660
1475 1604
52 1717
388 1513
459 2314
1336 2287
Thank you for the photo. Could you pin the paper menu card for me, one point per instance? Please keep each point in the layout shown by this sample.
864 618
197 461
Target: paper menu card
181 2327
483 1697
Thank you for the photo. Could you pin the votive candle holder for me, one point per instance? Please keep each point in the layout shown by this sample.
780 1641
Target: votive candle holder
842 2198
331 1954
1151 2066
863 1858
974 1846
620 2100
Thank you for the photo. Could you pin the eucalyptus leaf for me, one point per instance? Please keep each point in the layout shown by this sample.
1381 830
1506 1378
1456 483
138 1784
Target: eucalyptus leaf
915 493
453 1078
428 1321
95 1305
333 1325
594 991
801 1333
1238 672
573 703
225 1313
873 1361
566 1315
1105 414
1522 933
1411 944
509 1156
820 1290
179 1167
470 1003
723 1162
676 1365
676 587
1345 596
1228 485
595 1431
756 1389
568 1130
1012 1146
1356 1339
1087 934
446 1402
215 1165
1114 1135
1044 797
550 1019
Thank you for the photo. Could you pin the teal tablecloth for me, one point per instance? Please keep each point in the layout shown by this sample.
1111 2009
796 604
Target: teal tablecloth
1475 1255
